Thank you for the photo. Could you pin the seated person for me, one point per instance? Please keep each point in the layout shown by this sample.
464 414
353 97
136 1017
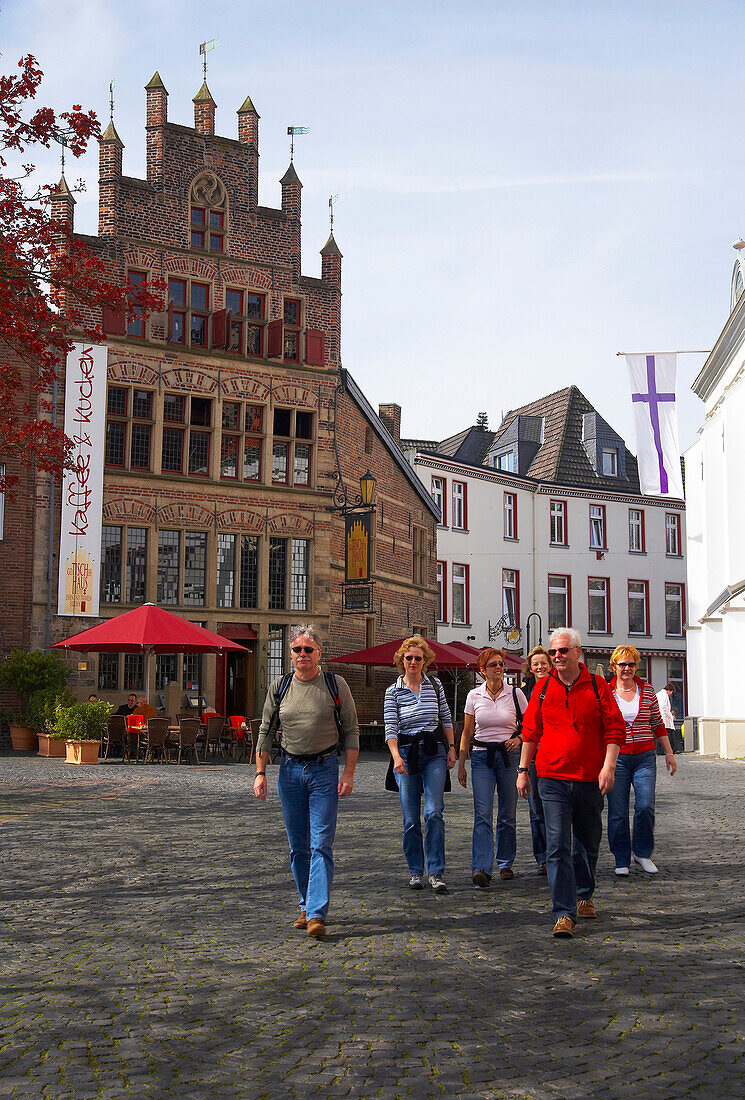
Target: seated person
129 707
147 710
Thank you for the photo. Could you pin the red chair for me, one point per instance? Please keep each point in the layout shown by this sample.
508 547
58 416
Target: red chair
237 731
136 725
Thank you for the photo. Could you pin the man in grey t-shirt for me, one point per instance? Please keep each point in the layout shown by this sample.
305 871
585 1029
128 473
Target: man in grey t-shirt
309 786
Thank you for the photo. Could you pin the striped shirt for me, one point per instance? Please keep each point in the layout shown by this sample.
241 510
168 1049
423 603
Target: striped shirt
648 724
405 713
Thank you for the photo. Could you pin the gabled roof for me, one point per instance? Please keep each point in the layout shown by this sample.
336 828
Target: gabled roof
387 440
561 458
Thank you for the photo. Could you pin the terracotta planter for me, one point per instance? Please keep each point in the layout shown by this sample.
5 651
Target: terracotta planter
24 739
82 752
48 746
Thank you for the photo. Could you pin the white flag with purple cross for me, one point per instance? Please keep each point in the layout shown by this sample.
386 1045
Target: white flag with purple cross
656 420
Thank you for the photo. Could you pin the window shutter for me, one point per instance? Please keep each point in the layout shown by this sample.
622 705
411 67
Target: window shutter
169 326
220 328
315 347
114 322
274 339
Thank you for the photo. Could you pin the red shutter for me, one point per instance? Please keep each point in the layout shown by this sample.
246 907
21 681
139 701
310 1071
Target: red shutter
274 339
315 347
169 325
114 322
219 328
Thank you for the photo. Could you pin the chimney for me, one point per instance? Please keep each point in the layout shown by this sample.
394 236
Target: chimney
291 206
331 259
62 209
248 134
204 111
110 151
390 415
156 116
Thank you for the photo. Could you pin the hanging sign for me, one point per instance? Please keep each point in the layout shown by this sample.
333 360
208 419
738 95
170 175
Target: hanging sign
357 597
357 547
82 487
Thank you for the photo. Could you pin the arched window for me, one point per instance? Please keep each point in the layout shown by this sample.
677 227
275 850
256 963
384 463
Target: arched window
208 213
737 284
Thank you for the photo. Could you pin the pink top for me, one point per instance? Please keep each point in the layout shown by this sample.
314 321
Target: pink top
495 719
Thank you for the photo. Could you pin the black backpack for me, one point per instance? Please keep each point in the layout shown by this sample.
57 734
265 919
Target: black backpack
333 689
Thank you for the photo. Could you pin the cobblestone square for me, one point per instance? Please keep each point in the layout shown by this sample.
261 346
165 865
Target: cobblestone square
148 949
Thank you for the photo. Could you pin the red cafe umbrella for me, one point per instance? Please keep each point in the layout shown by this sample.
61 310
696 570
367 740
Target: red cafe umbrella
147 629
512 662
383 654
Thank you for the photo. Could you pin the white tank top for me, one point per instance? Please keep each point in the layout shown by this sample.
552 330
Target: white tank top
630 709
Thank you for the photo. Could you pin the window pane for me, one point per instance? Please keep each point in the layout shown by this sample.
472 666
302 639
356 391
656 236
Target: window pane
277 574
249 586
304 425
225 570
282 421
108 672
192 675
255 306
637 607
229 456
231 416
134 672
216 242
140 451
168 566
197 216
673 609
197 239
234 302
198 331
199 452
255 419
177 292
279 462
201 412
173 450
165 669
142 404
195 567
253 340
111 565
136 564
291 344
597 605
252 460
215 219
292 312
200 296
302 464
558 601
235 338
174 407
299 576
276 652
115 436
116 402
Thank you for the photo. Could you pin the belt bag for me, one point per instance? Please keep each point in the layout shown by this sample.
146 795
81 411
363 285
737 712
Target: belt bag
492 748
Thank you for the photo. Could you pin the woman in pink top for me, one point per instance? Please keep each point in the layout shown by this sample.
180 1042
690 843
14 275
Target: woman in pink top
491 712
636 765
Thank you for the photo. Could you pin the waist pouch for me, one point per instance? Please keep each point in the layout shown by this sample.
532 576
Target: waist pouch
492 748
309 758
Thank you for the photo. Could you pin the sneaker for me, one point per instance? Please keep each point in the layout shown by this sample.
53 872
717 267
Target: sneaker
586 907
646 864
316 928
564 928
480 878
437 882
301 922
622 870
416 882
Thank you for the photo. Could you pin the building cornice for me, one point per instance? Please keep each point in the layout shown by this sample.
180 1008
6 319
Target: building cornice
730 339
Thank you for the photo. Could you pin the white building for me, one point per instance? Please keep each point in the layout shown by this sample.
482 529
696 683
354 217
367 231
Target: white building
546 517
715 469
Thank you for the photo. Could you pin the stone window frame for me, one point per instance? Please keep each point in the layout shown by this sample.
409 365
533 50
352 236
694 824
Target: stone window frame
208 197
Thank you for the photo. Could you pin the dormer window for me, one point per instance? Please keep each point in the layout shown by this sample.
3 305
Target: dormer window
610 462
505 461
208 213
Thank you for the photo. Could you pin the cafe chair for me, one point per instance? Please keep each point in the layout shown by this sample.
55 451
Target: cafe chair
156 738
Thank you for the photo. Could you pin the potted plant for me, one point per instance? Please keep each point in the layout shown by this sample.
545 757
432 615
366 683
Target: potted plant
24 673
81 727
41 714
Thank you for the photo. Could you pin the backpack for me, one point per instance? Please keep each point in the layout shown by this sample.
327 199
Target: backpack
544 689
333 689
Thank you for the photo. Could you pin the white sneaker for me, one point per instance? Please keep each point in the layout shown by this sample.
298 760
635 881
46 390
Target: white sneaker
437 882
622 870
416 882
646 864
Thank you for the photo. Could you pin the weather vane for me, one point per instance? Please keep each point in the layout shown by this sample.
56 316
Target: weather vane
292 130
112 85
61 139
332 200
204 49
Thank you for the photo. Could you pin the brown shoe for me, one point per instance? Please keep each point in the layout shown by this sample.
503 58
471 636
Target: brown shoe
506 873
564 928
317 927
301 922
480 878
586 907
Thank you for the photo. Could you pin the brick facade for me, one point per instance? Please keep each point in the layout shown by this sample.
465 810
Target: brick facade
194 392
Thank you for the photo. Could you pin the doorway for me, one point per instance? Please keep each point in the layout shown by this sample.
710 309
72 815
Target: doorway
240 691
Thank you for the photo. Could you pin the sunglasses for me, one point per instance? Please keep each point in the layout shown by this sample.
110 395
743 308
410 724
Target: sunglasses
495 664
626 664
563 650
302 649
413 658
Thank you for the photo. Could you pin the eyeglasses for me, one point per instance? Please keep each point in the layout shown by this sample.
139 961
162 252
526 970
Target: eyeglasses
626 664
563 650
302 648
495 664
411 657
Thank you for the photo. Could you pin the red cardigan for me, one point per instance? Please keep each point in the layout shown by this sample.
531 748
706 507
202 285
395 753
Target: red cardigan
572 731
648 723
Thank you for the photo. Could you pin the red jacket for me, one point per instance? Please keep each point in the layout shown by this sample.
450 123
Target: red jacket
572 730
648 724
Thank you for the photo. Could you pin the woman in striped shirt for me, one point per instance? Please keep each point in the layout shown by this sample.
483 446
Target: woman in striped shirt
637 763
414 708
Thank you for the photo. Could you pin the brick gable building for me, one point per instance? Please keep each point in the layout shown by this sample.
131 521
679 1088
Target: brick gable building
230 424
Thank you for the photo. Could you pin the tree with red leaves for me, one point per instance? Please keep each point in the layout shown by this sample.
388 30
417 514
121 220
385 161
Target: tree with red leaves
51 284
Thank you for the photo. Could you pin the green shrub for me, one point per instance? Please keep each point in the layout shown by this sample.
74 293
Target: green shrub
42 706
25 672
81 721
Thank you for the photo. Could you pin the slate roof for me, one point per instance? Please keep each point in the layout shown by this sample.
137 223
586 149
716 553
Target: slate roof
561 458
470 445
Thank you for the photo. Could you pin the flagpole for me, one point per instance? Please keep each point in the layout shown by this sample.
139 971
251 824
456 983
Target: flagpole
701 351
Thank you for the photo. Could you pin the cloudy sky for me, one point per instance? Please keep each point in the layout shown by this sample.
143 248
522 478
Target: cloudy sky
525 187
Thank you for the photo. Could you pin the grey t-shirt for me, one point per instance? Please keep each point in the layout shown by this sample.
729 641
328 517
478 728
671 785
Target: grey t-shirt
307 717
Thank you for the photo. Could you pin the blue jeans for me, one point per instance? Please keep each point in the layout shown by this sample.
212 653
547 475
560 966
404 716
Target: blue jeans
537 821
484 780
309 798
640 771
430 781
571 807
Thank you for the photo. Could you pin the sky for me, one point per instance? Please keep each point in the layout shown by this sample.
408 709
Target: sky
525 187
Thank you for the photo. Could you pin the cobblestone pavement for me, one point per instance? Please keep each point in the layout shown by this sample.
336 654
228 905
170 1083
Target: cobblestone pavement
147 950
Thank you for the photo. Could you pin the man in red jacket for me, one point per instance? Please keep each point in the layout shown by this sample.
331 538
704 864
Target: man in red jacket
575 724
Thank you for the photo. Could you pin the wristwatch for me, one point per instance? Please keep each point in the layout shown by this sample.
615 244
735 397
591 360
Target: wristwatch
519 770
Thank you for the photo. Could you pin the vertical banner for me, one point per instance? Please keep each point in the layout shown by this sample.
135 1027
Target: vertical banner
357 545
652 379
82 487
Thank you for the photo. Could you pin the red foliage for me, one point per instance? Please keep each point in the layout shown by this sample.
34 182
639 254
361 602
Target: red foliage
51 284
